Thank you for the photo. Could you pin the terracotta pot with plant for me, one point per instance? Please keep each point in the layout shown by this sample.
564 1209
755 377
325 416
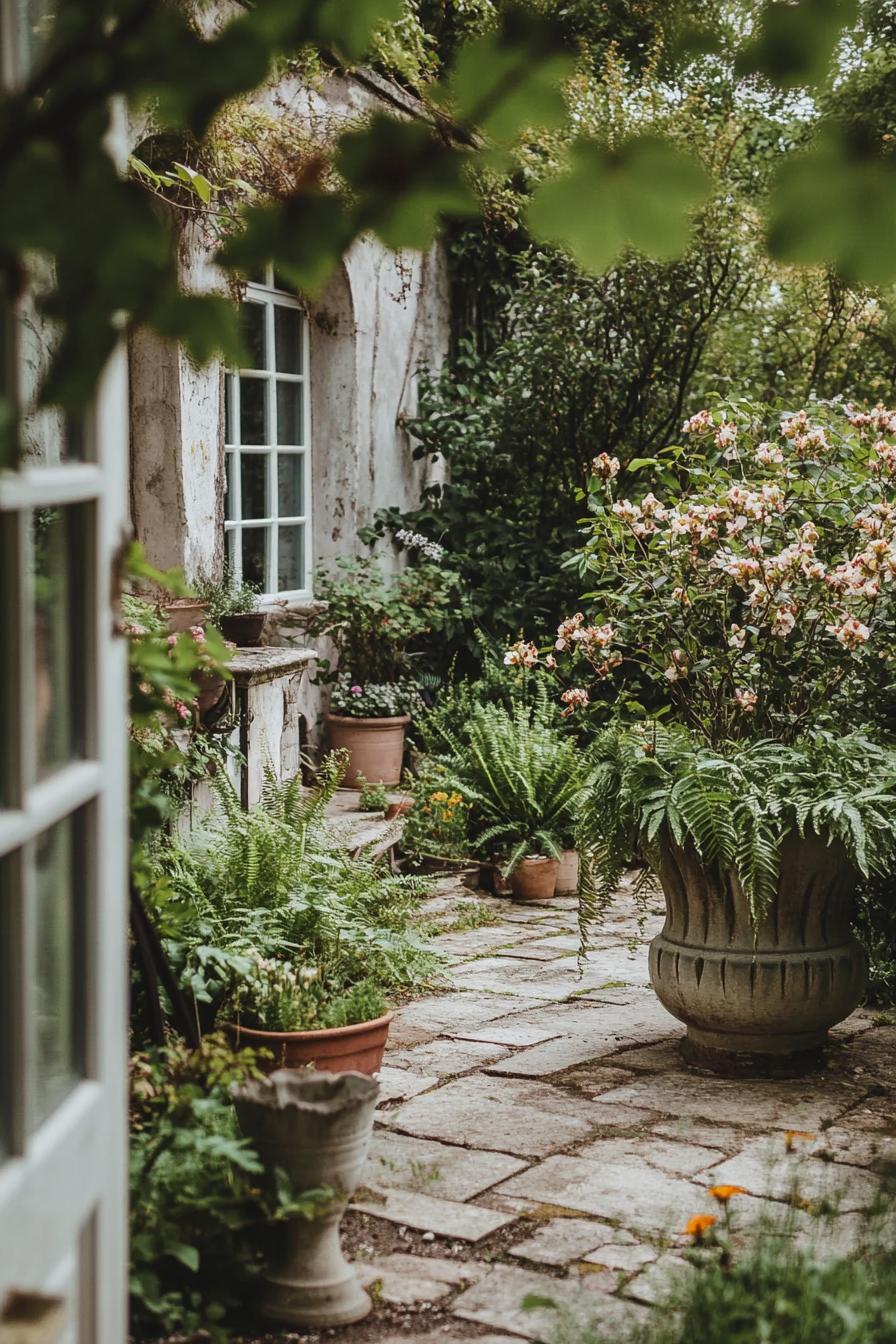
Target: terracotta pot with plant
232 605
754 615
287 940
378 623
299 1018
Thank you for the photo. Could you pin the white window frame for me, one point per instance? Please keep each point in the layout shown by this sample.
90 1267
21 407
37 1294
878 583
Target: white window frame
270 297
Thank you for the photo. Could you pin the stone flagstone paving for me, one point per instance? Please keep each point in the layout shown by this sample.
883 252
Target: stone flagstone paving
539 1134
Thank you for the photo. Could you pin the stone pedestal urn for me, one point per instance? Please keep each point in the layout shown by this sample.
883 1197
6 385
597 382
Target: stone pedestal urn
758 999
316 1127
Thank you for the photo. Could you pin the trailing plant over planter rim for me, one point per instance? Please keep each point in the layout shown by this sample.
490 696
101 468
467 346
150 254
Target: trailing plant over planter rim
735 804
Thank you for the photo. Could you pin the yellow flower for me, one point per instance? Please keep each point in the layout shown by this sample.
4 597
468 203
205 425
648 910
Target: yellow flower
699 1225
724 1192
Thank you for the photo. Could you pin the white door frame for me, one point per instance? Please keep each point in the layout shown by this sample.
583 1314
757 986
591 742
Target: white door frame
63 1191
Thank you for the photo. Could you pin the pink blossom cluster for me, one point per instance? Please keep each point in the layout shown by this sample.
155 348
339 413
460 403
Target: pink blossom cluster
605 467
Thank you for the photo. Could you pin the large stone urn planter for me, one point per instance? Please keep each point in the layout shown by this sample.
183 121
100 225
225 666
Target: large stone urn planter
375 747
316 1128
758 999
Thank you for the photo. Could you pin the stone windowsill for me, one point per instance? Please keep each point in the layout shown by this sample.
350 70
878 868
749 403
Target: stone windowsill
252 667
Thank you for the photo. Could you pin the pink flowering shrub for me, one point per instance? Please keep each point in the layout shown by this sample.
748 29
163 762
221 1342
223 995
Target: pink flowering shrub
752 595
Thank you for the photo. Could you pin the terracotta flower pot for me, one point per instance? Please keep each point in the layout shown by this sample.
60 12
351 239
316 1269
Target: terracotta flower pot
534 879
356 1048
758 1000
375 747
183 613
316 1128
399 809
243 629
568 873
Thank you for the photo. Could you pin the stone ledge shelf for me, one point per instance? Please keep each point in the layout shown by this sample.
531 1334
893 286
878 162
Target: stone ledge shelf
275 708
253 667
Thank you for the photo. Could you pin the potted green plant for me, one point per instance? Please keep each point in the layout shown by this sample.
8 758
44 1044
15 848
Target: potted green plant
232 605
523 780
299 1015
750 610
289 941
376 623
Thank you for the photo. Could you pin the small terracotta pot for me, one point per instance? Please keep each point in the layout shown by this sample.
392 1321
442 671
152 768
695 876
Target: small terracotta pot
355 1049
183 613
375 747
534 879
243 629
400 809
568 873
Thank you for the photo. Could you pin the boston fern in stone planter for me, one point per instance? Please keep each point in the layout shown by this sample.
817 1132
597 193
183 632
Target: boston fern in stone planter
746 630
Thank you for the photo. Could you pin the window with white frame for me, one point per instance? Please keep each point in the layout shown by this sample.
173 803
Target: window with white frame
268 508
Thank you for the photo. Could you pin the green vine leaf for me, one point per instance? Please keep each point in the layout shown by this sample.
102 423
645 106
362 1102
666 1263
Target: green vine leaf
640 197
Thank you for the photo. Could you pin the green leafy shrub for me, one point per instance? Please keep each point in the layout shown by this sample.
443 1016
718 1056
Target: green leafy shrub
371 797
777 1292
199 1206
438 824
381 624
275 996
876 928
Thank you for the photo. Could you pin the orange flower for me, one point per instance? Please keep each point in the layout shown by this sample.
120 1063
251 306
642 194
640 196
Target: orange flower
699 1225
724 1192
793 1134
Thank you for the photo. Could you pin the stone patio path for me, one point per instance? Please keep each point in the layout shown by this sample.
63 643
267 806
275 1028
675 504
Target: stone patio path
539 1134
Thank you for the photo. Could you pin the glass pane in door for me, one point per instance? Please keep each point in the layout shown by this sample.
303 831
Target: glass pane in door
58 973
61 633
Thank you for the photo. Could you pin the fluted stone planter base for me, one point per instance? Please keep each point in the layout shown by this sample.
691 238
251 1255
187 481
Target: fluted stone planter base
316 1128
758 1000
735 1056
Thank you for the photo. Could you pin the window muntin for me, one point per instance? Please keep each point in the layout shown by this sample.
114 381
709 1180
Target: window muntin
267 511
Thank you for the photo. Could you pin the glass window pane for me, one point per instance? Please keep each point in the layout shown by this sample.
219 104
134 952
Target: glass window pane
290 485
60 633
291 558
255 550
58 977
288 339
279 281
254 485
253 410
252 325
289 413
229 501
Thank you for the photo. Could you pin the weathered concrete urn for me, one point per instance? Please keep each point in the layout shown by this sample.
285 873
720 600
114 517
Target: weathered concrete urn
316 1127
758 999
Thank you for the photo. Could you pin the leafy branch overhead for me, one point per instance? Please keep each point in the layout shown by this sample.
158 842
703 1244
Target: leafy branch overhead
110 250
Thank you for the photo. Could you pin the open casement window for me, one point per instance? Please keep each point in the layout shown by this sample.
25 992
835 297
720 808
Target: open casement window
268 509
63 827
